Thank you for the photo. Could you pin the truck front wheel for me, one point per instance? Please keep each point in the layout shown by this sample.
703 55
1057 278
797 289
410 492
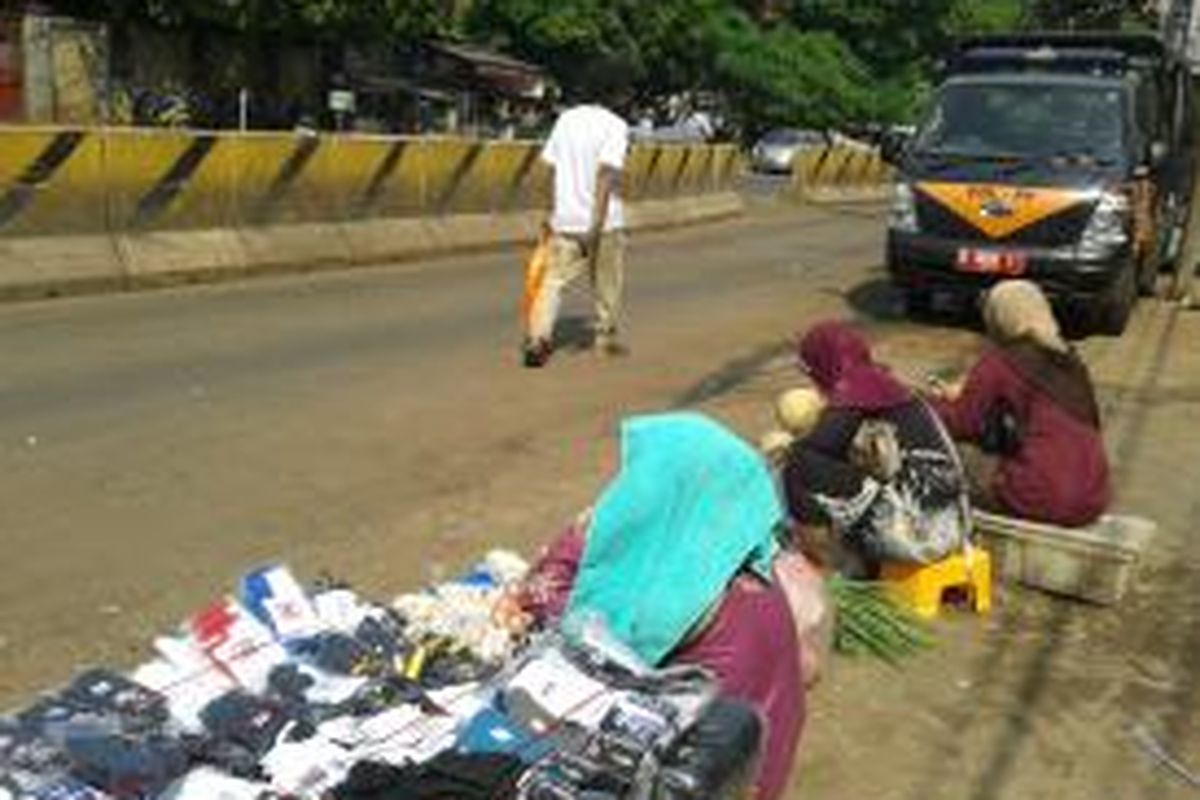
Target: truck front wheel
1117 302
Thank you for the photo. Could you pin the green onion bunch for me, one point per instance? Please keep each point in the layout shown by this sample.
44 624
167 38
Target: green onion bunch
869 622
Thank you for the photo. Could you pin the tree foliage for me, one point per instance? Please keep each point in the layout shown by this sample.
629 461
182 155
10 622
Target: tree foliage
376 18
773 62
1079 14
887 34
768 75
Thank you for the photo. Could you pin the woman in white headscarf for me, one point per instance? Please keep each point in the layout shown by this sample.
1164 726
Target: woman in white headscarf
1027 419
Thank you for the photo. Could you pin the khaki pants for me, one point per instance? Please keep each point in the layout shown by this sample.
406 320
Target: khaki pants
569 260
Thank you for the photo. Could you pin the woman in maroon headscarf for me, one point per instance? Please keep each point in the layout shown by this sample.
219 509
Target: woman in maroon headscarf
878 468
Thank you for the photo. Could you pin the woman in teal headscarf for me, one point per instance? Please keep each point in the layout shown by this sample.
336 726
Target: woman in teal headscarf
676 558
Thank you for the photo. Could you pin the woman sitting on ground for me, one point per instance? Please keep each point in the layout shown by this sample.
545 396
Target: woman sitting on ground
676 557
1027 417
878 470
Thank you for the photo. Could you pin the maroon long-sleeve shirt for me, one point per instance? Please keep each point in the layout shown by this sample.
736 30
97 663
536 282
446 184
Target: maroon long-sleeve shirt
1060 474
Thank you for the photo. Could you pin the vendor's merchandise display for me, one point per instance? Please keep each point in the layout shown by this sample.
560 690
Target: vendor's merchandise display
291 692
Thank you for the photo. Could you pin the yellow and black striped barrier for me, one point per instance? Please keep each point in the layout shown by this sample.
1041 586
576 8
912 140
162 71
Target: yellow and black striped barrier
63 182
84 207
840 173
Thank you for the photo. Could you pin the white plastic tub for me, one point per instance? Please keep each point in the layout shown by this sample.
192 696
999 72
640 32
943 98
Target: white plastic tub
1093 563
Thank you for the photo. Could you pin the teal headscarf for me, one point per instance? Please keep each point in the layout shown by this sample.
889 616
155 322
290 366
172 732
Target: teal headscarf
691 506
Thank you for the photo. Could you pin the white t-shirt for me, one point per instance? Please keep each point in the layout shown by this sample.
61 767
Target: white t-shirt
585 138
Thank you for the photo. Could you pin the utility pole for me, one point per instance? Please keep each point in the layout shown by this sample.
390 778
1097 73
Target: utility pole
1178 21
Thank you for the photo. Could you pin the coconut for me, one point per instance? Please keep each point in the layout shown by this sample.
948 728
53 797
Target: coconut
798 410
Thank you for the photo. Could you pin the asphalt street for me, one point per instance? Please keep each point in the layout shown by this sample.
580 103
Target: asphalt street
157 444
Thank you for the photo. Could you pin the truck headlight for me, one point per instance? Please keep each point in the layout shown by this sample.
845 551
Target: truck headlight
903 216
1109 226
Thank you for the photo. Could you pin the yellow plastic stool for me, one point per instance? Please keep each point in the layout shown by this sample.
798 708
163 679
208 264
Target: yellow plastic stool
921 587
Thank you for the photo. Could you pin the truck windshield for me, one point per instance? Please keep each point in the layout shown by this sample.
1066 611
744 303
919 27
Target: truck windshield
1026 120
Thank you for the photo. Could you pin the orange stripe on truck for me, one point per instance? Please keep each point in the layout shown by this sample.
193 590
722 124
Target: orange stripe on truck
999 210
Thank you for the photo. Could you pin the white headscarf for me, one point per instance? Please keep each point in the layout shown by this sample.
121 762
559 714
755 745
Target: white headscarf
1019 310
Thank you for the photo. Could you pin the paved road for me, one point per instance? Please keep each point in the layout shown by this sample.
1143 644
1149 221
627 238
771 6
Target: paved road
157 444
375 424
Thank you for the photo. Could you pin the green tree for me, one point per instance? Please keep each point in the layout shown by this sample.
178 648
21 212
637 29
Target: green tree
373 18
785 77
585 44
1078 14
986 16
768 74
889 35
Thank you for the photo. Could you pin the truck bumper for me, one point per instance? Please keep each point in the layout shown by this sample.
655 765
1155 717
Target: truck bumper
920 261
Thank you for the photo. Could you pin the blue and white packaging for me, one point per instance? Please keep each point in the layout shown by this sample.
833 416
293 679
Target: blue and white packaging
276 598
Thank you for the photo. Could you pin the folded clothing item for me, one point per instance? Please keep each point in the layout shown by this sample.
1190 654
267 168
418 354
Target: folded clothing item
54 713
333 652
375 647
231 758
206 783
382 634
448 776
490 731
106 692
715 758
103 732
309 768
30 786
135 767
24 748
32 767
573 776
252 722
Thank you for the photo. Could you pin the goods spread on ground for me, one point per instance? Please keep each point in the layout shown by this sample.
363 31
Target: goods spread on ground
287 691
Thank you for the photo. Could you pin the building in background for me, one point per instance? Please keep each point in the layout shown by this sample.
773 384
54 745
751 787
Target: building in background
58 70
53 70
12 73
447 87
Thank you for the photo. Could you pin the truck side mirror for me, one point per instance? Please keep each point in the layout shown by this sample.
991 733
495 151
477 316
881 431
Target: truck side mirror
1159 151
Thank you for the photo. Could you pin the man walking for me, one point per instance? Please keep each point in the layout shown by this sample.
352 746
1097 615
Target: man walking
586 152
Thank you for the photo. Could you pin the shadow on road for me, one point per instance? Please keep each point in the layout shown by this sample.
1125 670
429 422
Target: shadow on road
732 374
877 300
574 333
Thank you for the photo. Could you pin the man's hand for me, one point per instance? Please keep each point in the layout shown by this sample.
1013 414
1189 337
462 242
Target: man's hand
591 242
607 181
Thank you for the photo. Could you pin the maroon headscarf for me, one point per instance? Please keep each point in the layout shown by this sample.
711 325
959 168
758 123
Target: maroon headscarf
839 362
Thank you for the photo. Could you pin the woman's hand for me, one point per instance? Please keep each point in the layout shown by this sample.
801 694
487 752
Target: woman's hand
942 389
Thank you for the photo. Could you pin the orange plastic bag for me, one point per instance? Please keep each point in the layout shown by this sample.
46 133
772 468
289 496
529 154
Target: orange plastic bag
535 277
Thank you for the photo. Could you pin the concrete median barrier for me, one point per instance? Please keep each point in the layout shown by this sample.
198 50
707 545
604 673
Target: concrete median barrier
91 208
840 174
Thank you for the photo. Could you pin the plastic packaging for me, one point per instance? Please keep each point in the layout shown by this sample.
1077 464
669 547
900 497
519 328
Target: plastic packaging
589 630
812 610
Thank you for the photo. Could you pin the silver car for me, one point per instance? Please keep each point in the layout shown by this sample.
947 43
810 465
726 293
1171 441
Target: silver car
776 151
